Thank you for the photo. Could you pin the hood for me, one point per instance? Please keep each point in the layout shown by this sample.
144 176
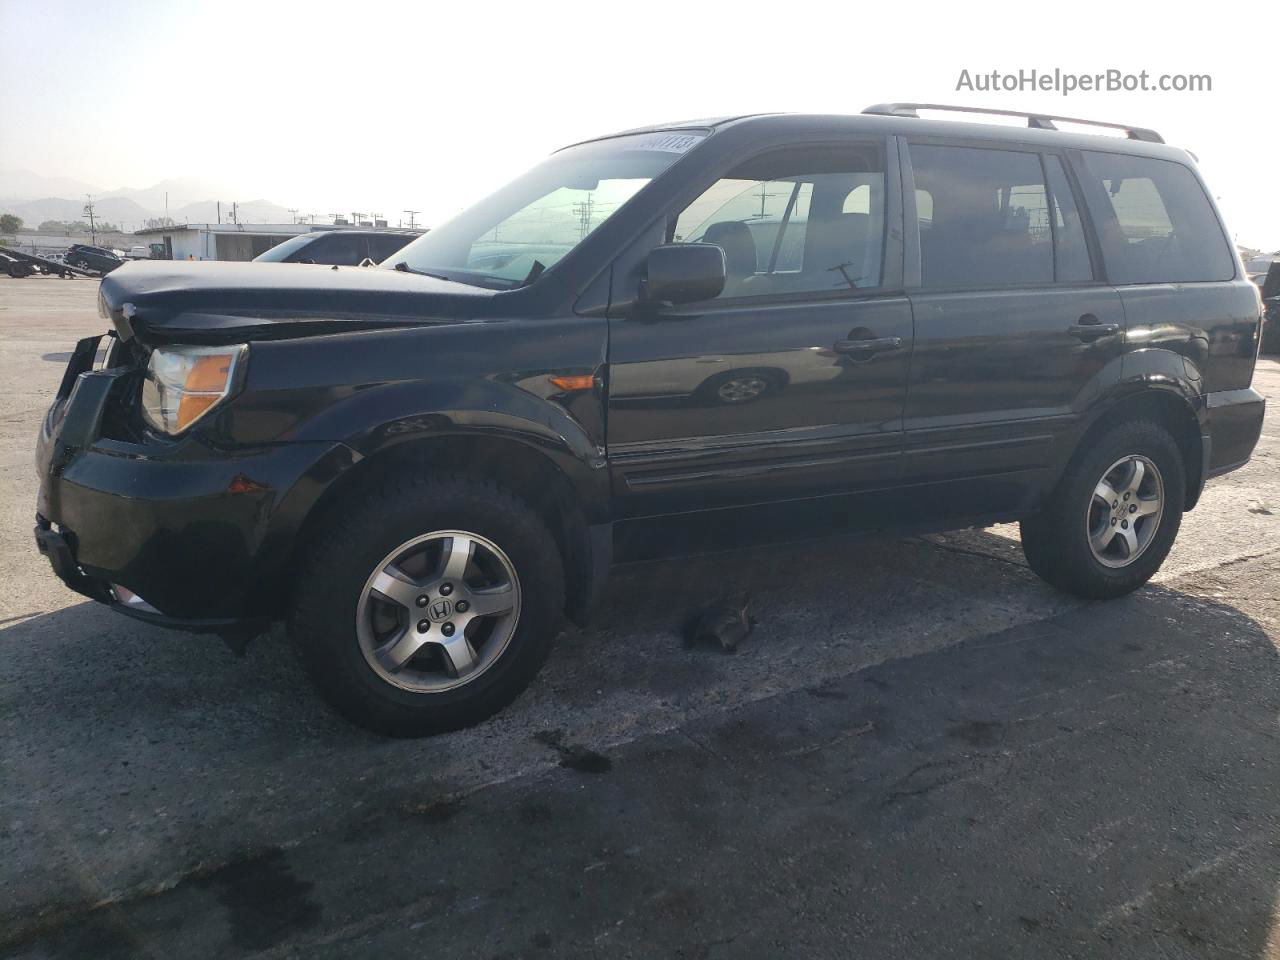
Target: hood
160 301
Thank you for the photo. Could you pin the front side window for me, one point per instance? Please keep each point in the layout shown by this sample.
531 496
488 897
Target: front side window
987 218
510 238
798 221
284 251
1156 225
384 245
344 249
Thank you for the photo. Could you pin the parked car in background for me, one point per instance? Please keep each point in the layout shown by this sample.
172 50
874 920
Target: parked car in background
344 248
1270 284
88 257
138 252
423 467
1257 268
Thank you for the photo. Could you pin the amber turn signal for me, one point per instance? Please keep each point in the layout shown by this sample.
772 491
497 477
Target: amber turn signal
579 382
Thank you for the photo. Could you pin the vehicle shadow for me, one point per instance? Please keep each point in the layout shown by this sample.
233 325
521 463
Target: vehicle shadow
1119 757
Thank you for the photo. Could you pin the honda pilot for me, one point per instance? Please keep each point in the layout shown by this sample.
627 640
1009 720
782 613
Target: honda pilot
657 342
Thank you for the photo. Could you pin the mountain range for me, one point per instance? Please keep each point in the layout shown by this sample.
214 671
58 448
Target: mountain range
37 198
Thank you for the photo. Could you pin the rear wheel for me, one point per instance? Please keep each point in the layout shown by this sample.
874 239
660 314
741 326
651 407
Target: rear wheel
1114 516
428 604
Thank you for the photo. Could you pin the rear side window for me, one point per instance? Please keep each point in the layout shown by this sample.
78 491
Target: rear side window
1156 225
988 223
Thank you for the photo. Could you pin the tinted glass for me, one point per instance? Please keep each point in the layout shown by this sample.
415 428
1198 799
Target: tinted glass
988 220
1156 225
381 247
344 249
794 222
284 250
1071 254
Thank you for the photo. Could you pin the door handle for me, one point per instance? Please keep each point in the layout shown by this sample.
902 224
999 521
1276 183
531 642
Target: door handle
866 348
1089 328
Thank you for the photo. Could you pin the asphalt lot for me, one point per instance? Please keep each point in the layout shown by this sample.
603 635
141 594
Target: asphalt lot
922 751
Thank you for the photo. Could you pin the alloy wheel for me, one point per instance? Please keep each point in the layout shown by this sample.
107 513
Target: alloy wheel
1125 510
438 611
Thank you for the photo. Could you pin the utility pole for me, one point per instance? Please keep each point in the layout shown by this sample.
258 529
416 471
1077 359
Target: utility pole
235 216
88 212
293 212
412 213
584 210
219 211
764 196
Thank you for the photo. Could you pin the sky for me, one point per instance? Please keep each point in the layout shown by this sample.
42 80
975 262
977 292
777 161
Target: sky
388 106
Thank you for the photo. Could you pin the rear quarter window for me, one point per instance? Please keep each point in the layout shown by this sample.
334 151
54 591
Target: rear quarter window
1155 223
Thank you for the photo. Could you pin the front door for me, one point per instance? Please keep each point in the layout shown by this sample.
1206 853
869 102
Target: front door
1014 336
790 384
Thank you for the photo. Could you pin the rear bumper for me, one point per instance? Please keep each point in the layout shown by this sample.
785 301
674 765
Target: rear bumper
1233 426
202 536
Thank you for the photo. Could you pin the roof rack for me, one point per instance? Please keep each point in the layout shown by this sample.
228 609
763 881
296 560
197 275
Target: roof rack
1038 121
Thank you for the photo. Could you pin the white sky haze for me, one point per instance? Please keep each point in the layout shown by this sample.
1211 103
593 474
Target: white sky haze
386 106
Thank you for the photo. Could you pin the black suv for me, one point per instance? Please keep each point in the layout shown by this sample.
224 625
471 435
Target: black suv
87 257
652 343
344 248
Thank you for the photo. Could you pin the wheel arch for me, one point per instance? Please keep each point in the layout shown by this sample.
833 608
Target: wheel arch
1173 405
528 469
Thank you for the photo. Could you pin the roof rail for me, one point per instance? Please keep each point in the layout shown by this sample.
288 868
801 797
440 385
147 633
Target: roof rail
1038 121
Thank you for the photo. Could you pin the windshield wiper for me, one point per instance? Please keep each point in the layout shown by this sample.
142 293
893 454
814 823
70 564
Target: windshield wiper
404 267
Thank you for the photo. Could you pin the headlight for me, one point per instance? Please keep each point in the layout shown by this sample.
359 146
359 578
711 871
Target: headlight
185 383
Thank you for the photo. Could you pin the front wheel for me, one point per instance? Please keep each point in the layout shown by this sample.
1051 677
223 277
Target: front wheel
1111 522
428 604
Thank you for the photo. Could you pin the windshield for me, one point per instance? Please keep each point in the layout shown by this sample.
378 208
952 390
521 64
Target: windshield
508 239
282 250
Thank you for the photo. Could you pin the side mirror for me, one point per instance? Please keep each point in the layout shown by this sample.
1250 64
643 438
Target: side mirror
1271 286
684 273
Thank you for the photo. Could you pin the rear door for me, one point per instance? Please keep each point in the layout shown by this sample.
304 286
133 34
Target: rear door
1173 265
790 384
1014 332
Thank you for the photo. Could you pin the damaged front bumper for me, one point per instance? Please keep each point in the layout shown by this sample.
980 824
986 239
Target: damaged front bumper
174 533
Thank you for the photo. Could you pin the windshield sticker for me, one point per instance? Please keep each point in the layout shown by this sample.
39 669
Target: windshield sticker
666 142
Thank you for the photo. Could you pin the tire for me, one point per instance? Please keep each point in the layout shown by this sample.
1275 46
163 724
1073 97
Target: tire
1057 541
336 612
